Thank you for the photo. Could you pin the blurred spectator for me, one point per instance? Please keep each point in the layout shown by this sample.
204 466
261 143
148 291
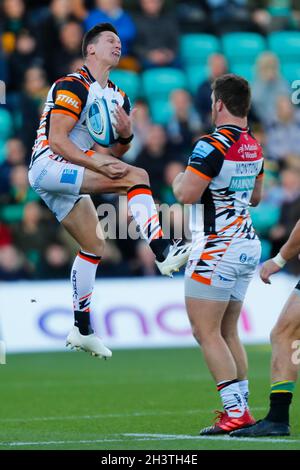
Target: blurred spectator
192 16
32 98
12 21
230 15
171 171
55 262
289 213
273 15
183 126
283 132
112 261
154 157
157 38
12 264
75 64
15 155
32 234
49 33
20 191
141 125
24 56
5 235
70 35
267 86
217 66
111 11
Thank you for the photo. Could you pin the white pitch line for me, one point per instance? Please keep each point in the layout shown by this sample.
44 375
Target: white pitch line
48 443
111 415
148 437
211 438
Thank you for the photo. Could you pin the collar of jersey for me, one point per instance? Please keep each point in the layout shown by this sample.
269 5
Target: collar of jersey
86 70
237 128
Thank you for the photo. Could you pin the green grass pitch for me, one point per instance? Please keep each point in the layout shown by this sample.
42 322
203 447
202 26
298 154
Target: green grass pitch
143 399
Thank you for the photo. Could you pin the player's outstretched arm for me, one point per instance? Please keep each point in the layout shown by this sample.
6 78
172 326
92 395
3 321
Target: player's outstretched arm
290 249
59 141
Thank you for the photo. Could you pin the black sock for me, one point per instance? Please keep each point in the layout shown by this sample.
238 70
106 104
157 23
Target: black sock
83 322
159 248
279 407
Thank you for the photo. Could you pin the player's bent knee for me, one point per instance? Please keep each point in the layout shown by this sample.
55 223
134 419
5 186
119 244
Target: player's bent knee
198 334
137 176
230 336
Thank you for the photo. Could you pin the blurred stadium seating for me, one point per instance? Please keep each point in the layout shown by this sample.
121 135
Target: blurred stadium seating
241 47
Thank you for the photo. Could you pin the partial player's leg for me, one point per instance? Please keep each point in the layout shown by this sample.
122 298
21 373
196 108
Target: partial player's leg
82 223
229 330
169 256
285 367
206 319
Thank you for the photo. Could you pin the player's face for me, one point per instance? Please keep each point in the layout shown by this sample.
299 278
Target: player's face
108 48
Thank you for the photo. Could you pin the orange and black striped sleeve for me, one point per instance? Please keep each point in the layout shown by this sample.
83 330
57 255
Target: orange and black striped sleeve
206 159
69 97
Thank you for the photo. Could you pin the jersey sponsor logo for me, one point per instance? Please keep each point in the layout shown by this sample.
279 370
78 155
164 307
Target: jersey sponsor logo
249 259
68 100
69 176
202 149
242 183
248 168
248 151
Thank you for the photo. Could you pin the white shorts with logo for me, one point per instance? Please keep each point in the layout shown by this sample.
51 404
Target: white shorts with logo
223 269
57 183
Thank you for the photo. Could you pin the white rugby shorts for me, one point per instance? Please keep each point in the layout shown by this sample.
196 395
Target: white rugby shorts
223 269
57 183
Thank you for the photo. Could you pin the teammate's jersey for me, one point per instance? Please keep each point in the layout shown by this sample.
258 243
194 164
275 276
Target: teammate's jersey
231 160
71 95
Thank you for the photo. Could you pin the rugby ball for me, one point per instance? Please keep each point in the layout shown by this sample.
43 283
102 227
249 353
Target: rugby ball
99 121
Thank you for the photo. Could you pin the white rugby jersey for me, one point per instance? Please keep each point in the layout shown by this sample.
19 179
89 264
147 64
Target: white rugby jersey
231 160
71 95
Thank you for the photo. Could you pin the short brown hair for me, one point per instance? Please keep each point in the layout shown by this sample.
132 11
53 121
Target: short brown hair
235 93
91 36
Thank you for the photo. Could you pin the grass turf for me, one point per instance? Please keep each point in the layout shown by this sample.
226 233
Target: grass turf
143 399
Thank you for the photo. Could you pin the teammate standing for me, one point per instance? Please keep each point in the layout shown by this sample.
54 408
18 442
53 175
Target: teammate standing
224 174
64 171
285 338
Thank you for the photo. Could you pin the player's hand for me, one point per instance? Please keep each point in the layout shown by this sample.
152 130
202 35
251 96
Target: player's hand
267 269
110 166
123 124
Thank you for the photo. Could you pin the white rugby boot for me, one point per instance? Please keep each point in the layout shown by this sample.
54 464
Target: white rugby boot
177 256
89 343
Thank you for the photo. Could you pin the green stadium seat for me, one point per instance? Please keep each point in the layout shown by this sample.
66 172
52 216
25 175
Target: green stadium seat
291 71
286 45
242 48
264 217
196 74
161 111
6 124
159 83
246 71
265 249
196 48
2 150
128 81
12 213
